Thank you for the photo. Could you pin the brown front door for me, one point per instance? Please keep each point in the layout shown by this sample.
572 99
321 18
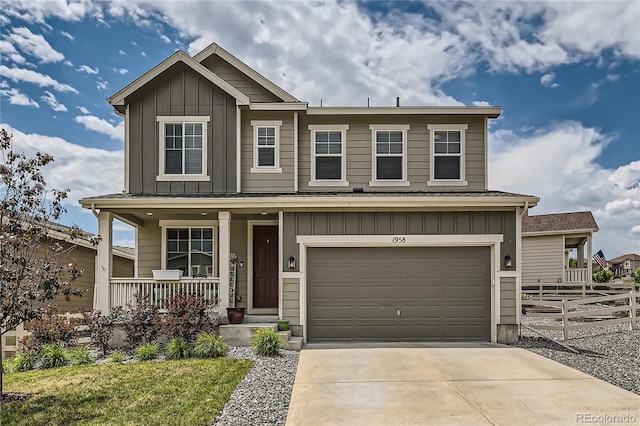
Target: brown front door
265 266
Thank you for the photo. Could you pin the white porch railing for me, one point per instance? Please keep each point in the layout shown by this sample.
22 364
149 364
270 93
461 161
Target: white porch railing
124 289
576 275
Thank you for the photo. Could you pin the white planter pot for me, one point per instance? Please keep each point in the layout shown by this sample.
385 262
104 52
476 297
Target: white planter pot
167 274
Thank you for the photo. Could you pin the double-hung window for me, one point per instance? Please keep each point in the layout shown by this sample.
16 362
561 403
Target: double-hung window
447 149
328 155
266 146
190 249
389 159
183 148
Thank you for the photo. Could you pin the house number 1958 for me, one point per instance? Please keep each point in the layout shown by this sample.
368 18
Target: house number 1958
399 240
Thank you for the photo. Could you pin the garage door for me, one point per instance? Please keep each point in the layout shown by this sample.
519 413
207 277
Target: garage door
398 294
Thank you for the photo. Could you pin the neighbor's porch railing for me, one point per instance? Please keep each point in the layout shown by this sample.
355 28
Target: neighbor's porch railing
158 292
576 275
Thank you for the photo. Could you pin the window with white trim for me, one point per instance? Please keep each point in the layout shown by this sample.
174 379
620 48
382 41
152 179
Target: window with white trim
328 155
183 148
447 154
266 146
190 249
389 164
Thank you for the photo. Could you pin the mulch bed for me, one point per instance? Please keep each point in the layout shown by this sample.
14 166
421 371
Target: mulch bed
14 396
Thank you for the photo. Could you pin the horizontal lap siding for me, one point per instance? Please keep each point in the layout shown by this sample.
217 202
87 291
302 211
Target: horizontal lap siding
84 259
508 296
149 249
542 259
267 182
123 267
239 246
291 300
359 151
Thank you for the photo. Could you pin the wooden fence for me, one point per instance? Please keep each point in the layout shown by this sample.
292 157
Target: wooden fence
561 291
567 314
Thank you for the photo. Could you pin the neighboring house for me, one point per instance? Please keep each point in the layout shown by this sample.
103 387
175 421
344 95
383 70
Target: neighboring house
353 223
547 243
624 265
84 256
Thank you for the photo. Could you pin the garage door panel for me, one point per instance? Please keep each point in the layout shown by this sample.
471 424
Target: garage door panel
442 293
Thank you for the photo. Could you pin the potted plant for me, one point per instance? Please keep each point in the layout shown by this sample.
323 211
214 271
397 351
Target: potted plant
283 325
236 315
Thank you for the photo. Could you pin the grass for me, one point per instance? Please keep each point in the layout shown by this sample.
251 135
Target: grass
181 392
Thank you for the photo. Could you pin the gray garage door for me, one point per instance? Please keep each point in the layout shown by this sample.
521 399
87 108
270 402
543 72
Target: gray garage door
398 294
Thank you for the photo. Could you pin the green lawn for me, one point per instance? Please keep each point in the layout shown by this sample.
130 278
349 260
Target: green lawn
186 392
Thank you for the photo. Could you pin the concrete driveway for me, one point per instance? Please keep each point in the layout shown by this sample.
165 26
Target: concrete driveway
460 385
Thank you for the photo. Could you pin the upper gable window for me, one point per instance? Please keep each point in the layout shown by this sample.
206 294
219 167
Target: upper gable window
389 159
328 155
447 154
266 146
183 148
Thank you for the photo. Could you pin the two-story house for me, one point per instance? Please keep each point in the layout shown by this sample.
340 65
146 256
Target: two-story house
353 223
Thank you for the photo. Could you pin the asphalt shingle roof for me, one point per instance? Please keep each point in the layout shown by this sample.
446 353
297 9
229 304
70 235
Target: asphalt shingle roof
574 221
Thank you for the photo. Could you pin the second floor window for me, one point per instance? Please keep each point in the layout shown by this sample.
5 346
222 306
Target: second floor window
389 154
447 154
266 146
183 146
328 163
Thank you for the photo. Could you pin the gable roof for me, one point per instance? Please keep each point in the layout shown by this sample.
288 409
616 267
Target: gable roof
631 256
117 100
215 49
559 222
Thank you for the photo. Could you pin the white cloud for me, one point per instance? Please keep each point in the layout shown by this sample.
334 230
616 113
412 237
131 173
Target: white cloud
547 80
102 84
20 74
83 110
67 35
165 38
16 97
34 45
88 69
37 12
558 164
125 242
481 103
8 50
99 125
85 171
50 99
122 52
122 71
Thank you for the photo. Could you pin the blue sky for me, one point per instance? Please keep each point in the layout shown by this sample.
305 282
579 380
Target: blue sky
567 75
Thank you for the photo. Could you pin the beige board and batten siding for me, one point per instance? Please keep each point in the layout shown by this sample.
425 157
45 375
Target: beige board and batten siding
399 223
542 259
239 80
359 151
508 303
180 91
267 182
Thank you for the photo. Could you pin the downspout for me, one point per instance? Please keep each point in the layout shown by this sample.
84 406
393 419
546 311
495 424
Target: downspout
519 264
93 210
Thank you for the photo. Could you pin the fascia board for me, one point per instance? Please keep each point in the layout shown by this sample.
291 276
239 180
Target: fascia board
565 232
491 112
216 49
279 106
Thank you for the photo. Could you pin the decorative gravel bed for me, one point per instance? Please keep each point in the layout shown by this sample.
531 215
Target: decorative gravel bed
262 398
610 352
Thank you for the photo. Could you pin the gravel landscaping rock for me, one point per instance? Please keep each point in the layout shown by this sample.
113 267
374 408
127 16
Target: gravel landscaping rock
262 397
610 353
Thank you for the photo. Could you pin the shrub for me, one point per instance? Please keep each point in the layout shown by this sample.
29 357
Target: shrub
147 351
51 327
178 349
602 275
54 355
208 345
80 356
141 321
636 276
7 366
186 316
266 342
117 357
24 361
101 329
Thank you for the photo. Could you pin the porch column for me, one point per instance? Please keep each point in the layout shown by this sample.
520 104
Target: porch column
589 259
224 246
102 290
580 256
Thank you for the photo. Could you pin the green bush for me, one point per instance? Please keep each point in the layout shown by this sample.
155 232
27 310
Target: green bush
147 351
602 275
178 349
208 345
7 366
80 356
117 357
24 361
637 276
54 355
266 342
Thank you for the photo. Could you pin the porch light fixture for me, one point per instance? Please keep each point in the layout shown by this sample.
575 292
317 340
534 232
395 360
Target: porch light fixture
149 213
508 263
292 263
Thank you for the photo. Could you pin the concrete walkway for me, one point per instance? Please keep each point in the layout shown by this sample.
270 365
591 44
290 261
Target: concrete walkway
472 385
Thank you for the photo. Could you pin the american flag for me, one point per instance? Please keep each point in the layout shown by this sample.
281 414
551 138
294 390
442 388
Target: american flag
600 260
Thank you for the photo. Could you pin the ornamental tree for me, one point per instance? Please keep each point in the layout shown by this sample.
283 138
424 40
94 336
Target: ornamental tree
34 268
